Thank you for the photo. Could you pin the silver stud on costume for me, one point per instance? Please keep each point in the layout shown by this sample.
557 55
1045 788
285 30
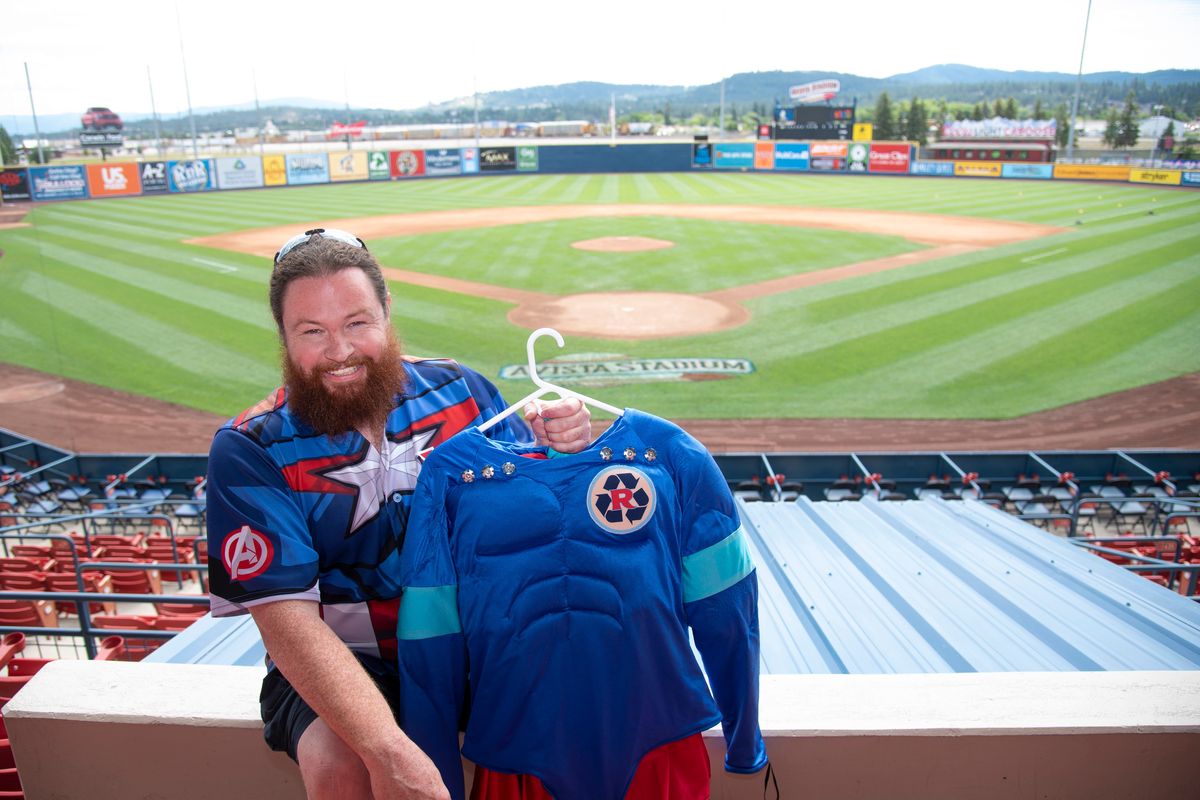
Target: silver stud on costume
606 453
630 454
509 468
488 472
650 454
468 475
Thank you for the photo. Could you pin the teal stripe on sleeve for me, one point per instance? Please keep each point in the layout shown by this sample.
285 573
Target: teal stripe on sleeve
717 567
428 611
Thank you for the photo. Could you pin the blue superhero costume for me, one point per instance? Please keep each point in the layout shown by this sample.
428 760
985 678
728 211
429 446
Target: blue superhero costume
297 515
568 586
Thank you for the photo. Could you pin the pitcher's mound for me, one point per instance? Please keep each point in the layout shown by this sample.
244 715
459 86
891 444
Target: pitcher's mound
622 244
630 315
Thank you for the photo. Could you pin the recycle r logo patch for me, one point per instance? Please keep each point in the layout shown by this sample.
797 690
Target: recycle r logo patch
621 499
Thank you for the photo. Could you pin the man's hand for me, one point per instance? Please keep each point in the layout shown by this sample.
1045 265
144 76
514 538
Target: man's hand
410 776
565 425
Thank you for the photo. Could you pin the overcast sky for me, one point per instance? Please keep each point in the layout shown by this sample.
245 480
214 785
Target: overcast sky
395 54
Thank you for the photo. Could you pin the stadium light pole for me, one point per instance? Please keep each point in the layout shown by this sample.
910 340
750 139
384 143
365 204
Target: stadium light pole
1078 80
187 90
37 135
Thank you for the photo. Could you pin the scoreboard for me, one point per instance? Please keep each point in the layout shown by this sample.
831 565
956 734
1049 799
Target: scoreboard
814 122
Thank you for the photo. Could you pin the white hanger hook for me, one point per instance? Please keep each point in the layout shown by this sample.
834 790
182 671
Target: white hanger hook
533 337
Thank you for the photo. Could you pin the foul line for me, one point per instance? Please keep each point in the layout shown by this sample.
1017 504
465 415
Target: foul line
215 264
1040 256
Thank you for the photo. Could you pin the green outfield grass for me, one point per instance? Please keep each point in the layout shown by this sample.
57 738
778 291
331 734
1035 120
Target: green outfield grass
104 291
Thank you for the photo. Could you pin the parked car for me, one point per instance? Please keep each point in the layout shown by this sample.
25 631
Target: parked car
98 118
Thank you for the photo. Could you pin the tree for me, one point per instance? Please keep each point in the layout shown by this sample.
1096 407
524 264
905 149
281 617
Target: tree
1038 111
1062 125
8 153
1127 130
977 112
885 125
1166 142
984 111
917 122
1112 129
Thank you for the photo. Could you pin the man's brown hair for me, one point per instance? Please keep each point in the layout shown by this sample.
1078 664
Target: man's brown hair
320 257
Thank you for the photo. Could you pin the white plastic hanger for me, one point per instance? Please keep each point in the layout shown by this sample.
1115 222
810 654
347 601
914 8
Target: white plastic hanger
545 387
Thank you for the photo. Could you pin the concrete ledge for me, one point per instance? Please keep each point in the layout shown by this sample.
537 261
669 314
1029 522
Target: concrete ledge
108 730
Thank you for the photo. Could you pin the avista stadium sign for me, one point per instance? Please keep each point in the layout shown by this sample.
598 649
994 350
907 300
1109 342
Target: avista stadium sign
597 368
815 92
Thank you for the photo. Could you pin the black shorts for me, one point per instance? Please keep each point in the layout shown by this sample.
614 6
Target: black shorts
286 716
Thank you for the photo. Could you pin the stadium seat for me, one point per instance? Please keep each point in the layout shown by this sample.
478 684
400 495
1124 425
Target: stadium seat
93 582
10 645
23 581
28 613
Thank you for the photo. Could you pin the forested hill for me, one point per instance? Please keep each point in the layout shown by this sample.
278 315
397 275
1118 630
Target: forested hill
746 93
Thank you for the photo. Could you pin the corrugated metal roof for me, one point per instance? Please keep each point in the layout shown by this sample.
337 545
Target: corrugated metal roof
932 586
908 587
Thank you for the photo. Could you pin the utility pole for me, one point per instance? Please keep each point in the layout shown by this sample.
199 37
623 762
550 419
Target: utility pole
154 114
475 90
1078 80
186 88
257 111
37 135
721 127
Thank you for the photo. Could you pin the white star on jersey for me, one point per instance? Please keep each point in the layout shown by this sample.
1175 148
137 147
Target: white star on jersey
379 475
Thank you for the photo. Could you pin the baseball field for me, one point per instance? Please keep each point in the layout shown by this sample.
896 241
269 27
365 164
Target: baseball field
838 296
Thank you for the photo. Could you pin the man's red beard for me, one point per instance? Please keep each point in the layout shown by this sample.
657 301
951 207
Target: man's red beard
337 410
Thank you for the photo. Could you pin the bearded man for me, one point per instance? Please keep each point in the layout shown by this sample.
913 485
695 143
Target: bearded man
308 500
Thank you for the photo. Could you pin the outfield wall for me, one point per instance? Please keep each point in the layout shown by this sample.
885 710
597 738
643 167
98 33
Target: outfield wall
131 178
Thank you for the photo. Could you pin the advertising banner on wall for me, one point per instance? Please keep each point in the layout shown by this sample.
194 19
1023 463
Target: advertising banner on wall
1041 171
1000 128
191 176
470 160
244 172
443 161
791 155
349 166
274 171
1191 179
305 168
944 168
14 184
733 155
407 163
1165 177
702 155
497 159
527 159
976 169
113 180
58 183
378 168
153 176
828 156
1091 172
856 157
764 155
890 157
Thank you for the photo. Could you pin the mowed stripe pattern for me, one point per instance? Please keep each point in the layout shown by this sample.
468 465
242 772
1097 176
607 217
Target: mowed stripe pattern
104 291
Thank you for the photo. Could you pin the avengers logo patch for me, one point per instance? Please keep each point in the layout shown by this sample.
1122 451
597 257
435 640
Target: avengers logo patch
246 554
621 499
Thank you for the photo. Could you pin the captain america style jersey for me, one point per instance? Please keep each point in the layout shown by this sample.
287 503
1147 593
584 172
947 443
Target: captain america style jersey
293 514
568 586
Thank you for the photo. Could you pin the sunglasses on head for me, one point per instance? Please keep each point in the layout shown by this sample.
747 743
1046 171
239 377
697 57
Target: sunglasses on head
302 239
